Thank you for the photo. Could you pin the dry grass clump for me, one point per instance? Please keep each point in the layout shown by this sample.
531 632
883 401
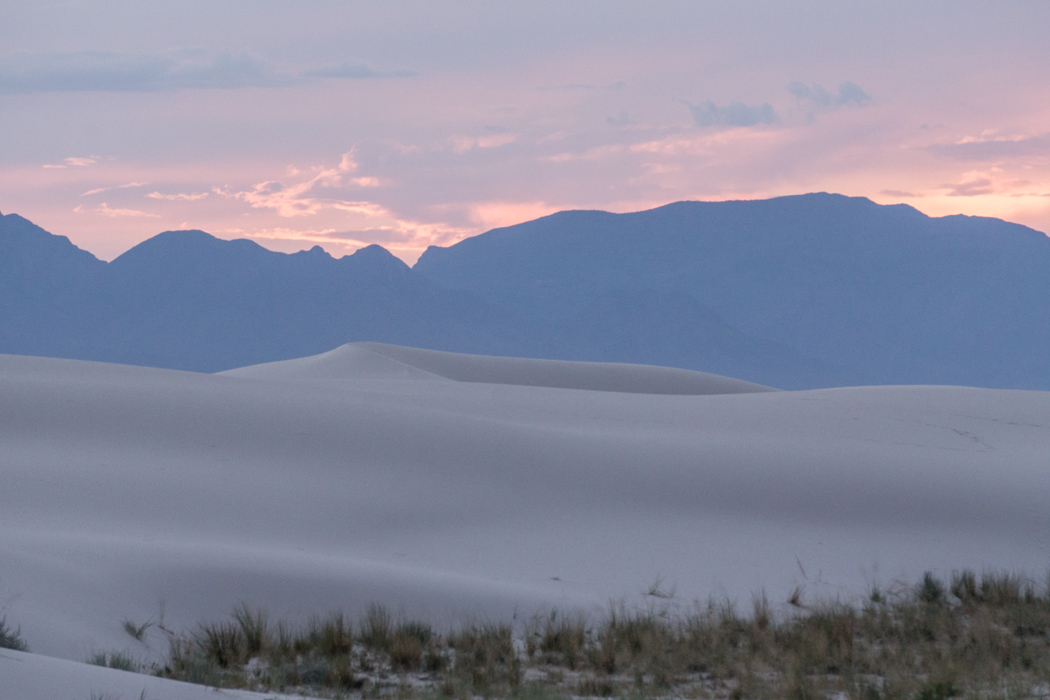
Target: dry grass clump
11 638
558 640
971 636
121 660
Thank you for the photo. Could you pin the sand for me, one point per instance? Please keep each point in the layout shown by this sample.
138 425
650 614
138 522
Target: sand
450 486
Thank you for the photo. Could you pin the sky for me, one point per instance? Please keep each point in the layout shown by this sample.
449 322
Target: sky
411 123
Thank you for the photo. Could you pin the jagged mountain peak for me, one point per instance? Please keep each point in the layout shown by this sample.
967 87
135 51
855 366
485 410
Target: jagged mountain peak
23 244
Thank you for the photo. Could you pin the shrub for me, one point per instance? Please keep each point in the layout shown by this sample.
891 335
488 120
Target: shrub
563 640
254 627
11 638
377 628
485 656
222 643
931 590
407 644
964 586
330 637
121 660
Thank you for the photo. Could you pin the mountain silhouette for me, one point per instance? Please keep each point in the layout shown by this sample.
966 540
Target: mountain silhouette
188 300
794 292
870 294
46 283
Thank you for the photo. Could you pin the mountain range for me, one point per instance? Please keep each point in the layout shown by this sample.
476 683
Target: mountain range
795 292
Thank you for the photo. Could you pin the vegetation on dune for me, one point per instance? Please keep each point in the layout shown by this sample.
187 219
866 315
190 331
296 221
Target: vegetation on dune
121 660
11 638
972 636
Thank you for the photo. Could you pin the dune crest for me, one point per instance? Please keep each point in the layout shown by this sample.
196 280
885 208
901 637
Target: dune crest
350 361
360 360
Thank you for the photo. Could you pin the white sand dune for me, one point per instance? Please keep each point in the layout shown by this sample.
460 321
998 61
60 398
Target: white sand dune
449 485
35 677
355 359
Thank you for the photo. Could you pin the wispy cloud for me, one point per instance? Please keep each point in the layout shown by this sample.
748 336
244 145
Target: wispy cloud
179 197
105 210
102 71
708 114
571 87
74 162
355 69
590 154
816 97
317 192
285 234
994 148
992 182
971 188
330 201
87 71
100 190
462 144
389 231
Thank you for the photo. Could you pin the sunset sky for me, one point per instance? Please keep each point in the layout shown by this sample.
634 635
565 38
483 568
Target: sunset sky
410 123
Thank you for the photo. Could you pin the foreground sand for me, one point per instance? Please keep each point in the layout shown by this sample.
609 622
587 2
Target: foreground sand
35 677
448 486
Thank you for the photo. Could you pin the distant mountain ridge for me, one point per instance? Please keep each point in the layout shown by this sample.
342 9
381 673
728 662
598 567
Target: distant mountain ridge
794 292
187 300
874 294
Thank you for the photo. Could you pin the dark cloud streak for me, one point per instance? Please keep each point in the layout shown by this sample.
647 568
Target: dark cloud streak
817 97
101 71
708 114
353 69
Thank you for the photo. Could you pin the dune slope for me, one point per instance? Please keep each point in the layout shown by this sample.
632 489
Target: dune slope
352 360
369 475
35 677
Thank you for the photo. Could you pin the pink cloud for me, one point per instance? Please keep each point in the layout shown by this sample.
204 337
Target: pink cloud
106 210
462 144
309 196
971 188
81 162
995 149
179 197
75 162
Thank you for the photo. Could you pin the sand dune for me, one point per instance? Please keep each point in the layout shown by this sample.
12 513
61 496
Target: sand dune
35 677
355 360
368 474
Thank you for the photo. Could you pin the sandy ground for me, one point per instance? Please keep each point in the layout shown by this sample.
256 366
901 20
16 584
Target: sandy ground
448 486
35 677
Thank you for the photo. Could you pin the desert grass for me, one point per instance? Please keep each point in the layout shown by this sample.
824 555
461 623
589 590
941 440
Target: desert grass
11 637
974 636
122 660
137 631
970 636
